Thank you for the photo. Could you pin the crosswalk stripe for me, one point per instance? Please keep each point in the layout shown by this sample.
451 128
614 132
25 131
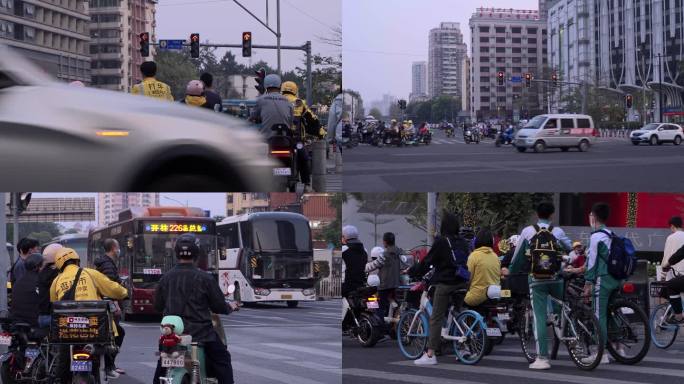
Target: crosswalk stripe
647 359
603 367
398 377
275 376
522 373
236 350
316 366
310 350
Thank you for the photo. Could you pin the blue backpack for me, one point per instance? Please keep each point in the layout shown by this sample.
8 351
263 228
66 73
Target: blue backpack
459 259
621 257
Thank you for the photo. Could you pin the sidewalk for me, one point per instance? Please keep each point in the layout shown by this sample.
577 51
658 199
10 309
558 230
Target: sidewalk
333 180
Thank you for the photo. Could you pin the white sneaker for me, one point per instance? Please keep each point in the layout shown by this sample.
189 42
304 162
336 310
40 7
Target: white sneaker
540 364
592 357
604 359
113 374
426 360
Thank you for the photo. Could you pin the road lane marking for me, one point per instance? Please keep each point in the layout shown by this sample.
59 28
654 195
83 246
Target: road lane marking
565 354
310 350
276 376
524 373
399 377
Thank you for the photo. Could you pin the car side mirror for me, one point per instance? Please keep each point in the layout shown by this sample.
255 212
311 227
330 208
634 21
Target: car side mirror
660 129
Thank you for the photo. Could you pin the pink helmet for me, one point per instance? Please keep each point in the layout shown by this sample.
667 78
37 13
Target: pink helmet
194 88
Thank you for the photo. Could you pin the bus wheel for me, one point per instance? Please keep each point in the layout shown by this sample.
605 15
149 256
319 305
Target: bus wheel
292 304
236 294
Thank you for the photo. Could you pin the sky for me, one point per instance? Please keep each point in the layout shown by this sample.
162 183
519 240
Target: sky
215 202
223 21
382 38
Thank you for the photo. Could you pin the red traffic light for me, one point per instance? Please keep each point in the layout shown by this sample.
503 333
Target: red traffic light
145 36
194 37
528 76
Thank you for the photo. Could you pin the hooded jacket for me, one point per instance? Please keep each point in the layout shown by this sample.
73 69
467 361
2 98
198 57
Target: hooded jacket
440 257
388 266
107 267
25 300
355 258
485 270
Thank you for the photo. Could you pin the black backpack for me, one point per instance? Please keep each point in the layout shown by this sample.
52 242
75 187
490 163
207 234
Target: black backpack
545 257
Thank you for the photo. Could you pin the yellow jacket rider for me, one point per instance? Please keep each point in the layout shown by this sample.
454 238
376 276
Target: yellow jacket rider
305 121
150 86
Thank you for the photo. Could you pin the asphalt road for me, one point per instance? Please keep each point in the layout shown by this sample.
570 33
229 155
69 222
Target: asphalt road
448 164
268 344
384 363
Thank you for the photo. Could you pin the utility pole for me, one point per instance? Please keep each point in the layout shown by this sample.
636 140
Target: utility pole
15 198
4 257
660 87
431 217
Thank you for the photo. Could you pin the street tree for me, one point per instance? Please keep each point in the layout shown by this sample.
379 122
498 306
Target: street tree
375 113
176 69
43 230
331 232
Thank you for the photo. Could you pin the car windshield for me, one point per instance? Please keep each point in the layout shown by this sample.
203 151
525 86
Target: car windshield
281 235
154 256
281 267
650 127
535 123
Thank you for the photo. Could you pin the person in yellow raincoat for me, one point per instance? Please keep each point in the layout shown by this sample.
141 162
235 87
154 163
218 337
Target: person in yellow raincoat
150 86
92 285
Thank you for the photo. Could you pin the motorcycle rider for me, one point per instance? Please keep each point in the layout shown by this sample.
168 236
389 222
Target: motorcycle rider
388 265
355 258
447 279
46 276
107 265
92 285
26 246
484 267
150 86
192 294
25 300
540 289
272 108
305 123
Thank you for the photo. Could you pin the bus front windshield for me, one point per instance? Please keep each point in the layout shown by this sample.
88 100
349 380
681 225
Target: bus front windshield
154 256
281 267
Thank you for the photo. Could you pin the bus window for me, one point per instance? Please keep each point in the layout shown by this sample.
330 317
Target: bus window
278 235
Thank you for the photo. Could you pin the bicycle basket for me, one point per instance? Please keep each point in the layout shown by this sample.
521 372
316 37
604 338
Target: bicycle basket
657 289
80 322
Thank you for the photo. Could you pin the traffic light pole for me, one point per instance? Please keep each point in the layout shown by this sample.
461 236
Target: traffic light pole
306 48
16 197
4 257
584 85
276 33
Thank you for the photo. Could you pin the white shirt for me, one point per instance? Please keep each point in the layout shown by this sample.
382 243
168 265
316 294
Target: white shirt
672 245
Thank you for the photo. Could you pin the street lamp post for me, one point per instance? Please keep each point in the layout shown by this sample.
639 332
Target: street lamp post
660 87
176 201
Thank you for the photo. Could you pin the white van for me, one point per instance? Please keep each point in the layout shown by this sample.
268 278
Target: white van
562 131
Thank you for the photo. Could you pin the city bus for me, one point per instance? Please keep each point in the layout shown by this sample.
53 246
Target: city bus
147 237
76 241
268 256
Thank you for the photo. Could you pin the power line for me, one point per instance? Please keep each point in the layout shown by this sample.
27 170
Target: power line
311 17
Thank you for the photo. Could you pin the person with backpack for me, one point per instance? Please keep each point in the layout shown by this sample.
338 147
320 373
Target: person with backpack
449 257
600 283
539 252
388 265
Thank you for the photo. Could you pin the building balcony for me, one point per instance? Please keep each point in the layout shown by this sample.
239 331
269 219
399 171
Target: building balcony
106 72
109 25
103 10
107 40
107 56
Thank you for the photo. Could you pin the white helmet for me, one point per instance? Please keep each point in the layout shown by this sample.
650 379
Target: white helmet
376 252
373 280
514 240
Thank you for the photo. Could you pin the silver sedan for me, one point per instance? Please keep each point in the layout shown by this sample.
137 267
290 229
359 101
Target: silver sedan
55 137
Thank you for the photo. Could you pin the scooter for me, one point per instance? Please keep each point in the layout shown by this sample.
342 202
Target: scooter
504 138
27 356
469 136
183 360
425 138
358 316
449 132
282 149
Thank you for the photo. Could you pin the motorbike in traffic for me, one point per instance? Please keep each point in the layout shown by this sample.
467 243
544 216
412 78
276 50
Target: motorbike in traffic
359 319
471 136
282 148
183 361
425 137
449 131
505 137
27 358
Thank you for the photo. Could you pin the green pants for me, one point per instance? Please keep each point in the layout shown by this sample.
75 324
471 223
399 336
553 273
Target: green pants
441 300
539 293
604 287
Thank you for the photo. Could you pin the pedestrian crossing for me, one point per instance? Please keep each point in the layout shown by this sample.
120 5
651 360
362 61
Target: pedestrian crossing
506 364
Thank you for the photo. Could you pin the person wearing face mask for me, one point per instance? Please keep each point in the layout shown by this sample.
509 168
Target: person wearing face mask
107 265
599 283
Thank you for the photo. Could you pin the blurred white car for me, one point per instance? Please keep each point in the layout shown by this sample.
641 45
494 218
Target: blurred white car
657 134
55 137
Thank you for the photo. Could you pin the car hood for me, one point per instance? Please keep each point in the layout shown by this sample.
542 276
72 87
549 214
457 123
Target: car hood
525 132
639 133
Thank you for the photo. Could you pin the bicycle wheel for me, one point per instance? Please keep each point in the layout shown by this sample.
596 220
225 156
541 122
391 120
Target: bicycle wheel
412 342
585 343
662 333
469 324
525 329
628 332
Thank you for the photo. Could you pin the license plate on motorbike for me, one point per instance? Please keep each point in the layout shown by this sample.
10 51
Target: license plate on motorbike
31 353
372 305
503 316
5 340
286 297
493 332
81 366
173 362
282 172
505 293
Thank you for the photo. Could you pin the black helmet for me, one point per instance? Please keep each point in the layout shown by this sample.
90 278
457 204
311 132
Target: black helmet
187 246
33 262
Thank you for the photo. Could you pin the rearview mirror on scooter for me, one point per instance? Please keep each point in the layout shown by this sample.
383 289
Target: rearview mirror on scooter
231 289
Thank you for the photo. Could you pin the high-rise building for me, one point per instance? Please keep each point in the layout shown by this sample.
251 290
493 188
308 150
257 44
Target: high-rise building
111 203
465 90
239 203
53 34
418 80
634 46
513 42
447 53
115 49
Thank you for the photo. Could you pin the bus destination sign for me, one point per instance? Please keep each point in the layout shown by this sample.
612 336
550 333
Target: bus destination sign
175 228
